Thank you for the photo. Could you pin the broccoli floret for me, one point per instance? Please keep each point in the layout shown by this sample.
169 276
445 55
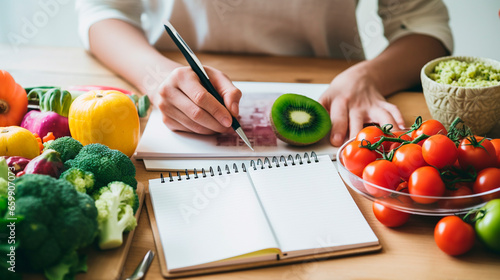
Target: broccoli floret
67 268
66 146
106 164
83 181
57 220
115 207
46 144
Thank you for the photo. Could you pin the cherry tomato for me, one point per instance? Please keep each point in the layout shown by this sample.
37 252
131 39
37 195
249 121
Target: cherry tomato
408 158
496 144
454 236
425 181
356 158
486 180
456 164
488 225
402 187
381 173
398 200
388 216
372 134
439 151
455 198
478 157
429 127
398 134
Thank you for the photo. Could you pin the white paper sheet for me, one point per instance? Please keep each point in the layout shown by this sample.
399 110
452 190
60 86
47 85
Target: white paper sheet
209 219
310 208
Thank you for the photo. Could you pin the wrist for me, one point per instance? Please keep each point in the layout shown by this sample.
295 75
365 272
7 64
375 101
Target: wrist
364 73
154 71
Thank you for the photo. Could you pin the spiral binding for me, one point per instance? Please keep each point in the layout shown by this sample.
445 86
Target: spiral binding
266 163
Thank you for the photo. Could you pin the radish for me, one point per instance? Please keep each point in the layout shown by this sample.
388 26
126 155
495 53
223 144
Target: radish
42 123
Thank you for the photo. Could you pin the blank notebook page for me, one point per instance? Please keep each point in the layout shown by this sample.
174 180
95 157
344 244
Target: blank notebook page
310 208
209 219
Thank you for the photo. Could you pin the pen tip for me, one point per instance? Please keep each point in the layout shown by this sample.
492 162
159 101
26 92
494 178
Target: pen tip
242 135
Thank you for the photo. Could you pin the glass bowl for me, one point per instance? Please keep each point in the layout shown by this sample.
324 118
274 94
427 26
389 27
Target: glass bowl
442 205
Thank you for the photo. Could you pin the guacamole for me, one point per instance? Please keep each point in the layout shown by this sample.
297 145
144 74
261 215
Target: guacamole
465 74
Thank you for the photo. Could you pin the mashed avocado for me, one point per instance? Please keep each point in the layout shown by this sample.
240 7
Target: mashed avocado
465 74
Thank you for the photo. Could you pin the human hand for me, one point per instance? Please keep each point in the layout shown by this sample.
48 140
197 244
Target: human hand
352 100
188 106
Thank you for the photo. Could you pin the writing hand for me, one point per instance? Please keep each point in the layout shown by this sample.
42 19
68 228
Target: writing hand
188 106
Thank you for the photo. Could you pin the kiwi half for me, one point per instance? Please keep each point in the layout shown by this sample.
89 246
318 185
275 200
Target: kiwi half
299 120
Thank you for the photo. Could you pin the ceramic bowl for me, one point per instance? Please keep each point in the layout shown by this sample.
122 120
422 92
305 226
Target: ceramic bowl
478 107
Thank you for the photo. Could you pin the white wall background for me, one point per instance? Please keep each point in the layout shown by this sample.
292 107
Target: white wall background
475 25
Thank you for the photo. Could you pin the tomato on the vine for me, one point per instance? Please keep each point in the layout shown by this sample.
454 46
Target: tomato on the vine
383 174
401 134
408 158
398 134
476 152
439 151
403 199
454 236
425 181
487 180
355 158
429 127
388 216
454 197
372 134
496 144
488 225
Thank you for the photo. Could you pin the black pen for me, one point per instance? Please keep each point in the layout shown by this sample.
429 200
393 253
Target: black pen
197 67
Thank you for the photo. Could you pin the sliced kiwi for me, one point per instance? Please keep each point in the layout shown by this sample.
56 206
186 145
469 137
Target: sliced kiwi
299 120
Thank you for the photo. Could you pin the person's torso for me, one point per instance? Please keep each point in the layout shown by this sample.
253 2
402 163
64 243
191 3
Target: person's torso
324 28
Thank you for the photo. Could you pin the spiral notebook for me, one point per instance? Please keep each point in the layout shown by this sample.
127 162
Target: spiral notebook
277 210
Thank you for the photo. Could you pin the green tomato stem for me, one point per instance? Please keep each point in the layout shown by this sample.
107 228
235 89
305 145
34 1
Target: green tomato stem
477 214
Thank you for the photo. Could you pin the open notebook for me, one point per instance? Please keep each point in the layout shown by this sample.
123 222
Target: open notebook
163 149
274 210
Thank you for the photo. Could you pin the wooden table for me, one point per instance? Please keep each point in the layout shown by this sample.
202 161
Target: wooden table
408 252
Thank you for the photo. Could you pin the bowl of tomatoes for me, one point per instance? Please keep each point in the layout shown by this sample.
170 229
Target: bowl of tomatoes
428 170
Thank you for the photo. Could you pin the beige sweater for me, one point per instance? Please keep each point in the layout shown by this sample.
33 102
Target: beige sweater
323 28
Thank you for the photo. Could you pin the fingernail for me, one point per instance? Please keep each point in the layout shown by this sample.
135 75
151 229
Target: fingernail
402 126
337 139
226 122
235 108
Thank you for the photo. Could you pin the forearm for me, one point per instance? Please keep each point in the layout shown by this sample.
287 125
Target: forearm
398 66
125 50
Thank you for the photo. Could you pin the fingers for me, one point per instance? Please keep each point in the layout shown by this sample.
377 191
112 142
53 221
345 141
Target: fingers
339 115
226 89
387 113
178 121
202 101
178 106
356 121
396 115
348 117
188 106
